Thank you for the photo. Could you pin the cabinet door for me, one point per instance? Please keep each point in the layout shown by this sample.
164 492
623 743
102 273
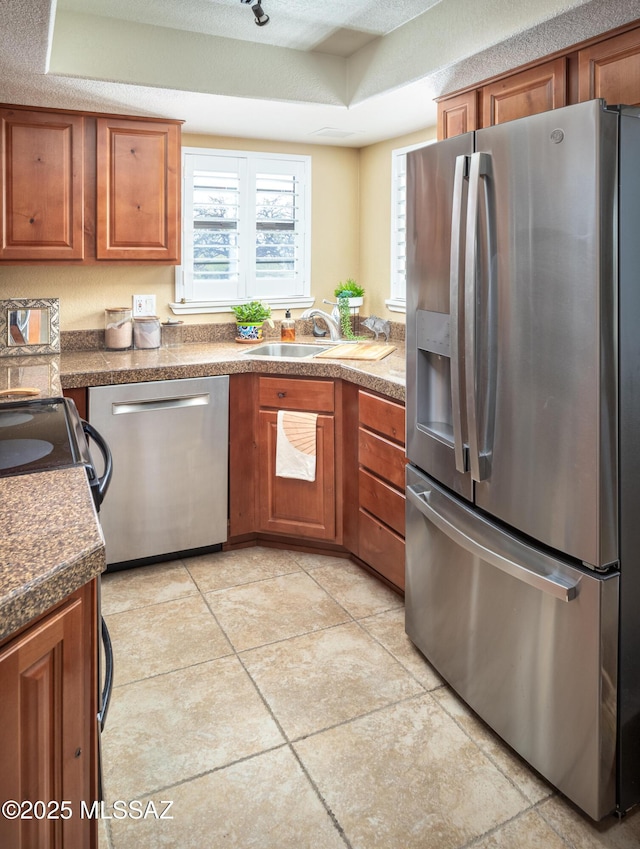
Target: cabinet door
79 398
138 190
526 93
296 507
46 726
457 115
41 214
611 70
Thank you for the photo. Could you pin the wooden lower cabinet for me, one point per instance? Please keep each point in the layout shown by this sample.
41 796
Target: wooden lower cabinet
381 499
48 727
355 506
262 503
79 397
297 507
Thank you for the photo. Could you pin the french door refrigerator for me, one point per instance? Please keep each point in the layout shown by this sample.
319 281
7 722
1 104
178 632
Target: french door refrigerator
523 437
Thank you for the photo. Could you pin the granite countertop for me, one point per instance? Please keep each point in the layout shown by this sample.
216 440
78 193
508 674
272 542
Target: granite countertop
50 542
95 368
50 538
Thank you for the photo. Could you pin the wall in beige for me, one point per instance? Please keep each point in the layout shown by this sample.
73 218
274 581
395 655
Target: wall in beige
350 227
375 220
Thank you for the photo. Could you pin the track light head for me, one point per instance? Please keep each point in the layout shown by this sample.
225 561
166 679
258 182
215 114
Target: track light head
261 18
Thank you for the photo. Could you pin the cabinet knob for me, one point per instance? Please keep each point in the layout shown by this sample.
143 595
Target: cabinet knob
282 394
77 753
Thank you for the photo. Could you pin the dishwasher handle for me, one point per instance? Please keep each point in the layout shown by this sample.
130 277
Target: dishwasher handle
119 408
523 563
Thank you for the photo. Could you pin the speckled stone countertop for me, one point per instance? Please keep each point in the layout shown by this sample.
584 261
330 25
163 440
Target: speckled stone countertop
50 542
95 368
50 538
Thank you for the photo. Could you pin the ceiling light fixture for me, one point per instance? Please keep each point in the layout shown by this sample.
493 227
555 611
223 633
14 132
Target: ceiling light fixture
261 18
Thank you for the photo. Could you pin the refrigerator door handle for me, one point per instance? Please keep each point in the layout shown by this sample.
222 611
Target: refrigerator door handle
455 294
527 565
480 166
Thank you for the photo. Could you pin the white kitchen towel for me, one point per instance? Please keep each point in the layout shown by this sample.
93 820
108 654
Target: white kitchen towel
296 445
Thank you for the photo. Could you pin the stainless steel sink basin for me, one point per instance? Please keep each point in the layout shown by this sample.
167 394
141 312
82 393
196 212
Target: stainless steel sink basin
287 349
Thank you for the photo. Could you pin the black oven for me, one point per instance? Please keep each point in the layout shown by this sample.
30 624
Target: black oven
47 433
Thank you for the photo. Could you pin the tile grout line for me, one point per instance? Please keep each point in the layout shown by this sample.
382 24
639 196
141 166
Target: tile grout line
488 755
287 742
290 743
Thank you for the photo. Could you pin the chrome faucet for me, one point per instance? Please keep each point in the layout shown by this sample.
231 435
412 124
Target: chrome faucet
332 321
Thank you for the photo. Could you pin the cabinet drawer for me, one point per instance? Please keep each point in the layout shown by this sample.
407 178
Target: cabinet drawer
383 501
382 549
384 458
296 394
382 415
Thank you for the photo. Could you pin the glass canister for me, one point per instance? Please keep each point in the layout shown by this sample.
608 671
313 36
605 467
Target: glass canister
118 328
146 331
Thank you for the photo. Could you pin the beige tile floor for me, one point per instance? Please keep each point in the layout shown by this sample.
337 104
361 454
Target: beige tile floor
274 699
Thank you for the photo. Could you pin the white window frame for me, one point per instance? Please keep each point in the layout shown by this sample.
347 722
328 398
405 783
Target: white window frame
398 297
247 164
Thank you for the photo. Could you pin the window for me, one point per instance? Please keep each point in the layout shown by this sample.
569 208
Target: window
397 301
246 230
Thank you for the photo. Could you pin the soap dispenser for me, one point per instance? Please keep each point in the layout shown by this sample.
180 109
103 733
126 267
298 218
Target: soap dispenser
288 328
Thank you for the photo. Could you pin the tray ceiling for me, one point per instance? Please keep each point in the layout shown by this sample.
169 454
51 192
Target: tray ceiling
348 72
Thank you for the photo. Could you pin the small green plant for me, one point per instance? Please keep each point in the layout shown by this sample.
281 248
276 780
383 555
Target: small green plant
349 288
255 312
345 319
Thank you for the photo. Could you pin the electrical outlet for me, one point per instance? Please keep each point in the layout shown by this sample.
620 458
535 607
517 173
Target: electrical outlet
144 304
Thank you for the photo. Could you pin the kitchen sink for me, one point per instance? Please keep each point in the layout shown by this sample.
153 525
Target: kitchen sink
287 349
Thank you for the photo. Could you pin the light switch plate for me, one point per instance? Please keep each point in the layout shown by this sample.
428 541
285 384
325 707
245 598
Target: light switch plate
144 304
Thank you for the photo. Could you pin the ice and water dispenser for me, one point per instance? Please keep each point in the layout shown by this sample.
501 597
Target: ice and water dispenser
436 401
434 414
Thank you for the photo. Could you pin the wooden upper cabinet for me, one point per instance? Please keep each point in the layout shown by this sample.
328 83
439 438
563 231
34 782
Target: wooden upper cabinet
41 214
528 92
458 114
138 190
606 67
611 69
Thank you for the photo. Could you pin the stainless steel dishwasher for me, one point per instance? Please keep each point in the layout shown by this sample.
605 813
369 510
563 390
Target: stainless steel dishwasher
169 440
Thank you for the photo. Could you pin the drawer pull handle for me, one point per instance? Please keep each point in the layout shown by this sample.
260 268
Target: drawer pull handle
282 394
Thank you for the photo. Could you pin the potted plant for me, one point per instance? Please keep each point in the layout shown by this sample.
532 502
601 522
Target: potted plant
351 290
249 320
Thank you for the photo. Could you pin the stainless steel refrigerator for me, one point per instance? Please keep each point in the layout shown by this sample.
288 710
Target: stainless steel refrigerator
523 437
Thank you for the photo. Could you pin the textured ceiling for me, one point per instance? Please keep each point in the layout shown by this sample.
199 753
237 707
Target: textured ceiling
330 26
349 72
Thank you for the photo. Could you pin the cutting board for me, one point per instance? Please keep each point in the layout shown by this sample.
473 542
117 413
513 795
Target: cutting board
357 351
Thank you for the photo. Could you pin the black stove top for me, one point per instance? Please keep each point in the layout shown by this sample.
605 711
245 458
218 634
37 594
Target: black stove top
38 435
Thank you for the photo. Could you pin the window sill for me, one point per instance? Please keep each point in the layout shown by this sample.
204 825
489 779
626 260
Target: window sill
396 305
202 307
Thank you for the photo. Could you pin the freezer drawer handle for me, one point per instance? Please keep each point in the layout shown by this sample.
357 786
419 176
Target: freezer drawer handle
119 409
563 590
